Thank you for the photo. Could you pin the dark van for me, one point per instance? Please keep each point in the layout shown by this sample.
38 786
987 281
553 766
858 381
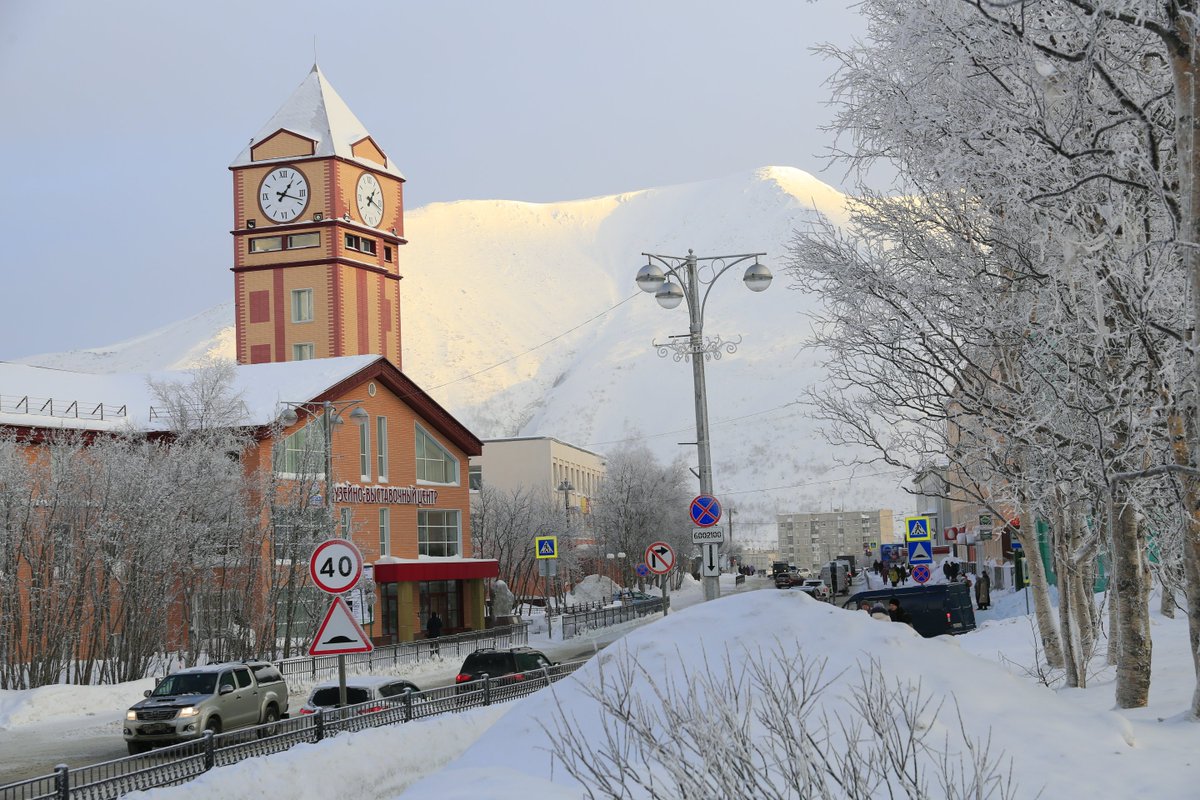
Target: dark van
937 609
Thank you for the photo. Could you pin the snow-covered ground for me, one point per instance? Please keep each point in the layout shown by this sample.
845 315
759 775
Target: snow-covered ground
1065 743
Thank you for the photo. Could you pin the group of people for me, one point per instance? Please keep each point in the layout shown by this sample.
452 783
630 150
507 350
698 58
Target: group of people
893 612
898 573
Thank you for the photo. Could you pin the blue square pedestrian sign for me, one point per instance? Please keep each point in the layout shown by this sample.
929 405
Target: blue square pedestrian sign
916 529
545 546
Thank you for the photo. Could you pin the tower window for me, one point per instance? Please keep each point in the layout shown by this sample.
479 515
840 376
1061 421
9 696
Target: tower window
303 352
266 244
302 305
360 243
387 253
298 241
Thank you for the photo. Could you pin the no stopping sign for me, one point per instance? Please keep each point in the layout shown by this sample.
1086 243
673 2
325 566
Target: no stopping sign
335 566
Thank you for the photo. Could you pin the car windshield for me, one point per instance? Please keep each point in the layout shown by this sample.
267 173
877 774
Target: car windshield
328 696
186 683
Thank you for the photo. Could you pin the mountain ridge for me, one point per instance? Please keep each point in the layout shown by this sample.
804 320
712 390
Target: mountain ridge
524 319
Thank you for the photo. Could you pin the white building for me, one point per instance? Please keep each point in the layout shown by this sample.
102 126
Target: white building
810 540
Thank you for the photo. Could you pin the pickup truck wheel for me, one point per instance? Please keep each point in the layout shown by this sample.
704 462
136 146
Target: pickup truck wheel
268 726
214 725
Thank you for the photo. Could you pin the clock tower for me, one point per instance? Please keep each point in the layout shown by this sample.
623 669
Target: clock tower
318 224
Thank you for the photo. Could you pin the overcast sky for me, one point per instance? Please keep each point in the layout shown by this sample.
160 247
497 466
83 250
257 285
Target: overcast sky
121 118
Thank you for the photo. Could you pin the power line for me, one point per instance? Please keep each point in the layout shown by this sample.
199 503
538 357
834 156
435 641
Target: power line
819 483
539 346
690 428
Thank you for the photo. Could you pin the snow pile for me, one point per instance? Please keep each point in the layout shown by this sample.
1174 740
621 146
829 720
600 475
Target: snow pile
1070 742
593 589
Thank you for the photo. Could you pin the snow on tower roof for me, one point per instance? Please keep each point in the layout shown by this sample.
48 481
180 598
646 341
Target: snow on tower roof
316 111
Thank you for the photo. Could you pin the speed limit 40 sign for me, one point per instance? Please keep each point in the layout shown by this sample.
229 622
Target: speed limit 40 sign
335 566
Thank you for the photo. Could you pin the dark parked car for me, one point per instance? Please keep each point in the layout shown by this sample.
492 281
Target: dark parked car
359 689
515 661
937 609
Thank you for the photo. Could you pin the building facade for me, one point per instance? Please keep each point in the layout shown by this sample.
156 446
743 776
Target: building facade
810 540
537 462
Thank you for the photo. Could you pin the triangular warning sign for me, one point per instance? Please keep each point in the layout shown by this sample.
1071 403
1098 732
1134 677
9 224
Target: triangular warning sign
546 547
340 633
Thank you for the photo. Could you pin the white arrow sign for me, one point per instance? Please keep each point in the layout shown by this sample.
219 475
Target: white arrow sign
710 563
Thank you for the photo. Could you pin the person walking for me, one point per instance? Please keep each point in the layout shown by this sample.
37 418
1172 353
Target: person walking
983 590
433 628
897 613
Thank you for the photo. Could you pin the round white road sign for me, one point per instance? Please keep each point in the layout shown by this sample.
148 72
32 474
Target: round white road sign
335 566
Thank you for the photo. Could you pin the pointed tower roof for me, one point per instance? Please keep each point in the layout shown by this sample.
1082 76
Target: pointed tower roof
315 111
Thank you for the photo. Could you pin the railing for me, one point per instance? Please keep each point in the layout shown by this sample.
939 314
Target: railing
455 646
574 624
180 763
49 407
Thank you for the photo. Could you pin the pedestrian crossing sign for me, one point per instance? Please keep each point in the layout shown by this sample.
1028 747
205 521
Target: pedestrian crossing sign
917 529
545 546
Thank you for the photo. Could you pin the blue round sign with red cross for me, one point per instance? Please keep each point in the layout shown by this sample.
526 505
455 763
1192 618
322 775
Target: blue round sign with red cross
705 511
920 573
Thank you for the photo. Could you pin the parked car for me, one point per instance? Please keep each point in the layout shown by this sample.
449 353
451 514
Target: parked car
935 610
787 580
359 689
515 662
631 596
215 697
816 588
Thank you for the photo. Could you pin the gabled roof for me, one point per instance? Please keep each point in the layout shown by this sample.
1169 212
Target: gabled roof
315 111
40 398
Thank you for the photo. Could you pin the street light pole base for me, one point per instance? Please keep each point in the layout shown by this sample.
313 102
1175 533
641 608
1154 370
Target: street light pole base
712 588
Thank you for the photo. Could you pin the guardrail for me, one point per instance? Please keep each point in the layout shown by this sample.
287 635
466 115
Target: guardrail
574 624
457 645
171 766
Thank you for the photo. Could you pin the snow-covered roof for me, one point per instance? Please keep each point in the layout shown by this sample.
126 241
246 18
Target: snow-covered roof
315 111
44 397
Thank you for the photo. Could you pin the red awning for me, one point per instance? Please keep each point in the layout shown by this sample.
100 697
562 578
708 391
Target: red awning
409 571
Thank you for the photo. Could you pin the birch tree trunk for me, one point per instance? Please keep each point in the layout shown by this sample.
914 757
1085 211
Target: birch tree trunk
1132 574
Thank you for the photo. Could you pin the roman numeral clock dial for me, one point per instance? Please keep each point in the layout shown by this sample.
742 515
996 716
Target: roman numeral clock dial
370 199
283 194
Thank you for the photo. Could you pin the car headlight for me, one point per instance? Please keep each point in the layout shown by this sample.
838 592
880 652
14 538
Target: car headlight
131 714
189 711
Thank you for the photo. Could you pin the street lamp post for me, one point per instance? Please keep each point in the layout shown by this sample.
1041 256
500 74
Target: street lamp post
566 488
330 413
676 279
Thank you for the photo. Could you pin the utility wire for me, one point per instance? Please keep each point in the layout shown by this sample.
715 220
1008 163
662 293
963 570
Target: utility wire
539 346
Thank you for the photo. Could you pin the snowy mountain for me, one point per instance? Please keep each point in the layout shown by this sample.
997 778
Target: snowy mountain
524 319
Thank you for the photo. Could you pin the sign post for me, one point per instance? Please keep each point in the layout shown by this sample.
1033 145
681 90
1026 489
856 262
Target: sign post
335 567
660 559
705 511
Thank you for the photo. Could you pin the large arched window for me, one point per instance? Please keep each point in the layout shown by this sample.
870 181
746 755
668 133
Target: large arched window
434 462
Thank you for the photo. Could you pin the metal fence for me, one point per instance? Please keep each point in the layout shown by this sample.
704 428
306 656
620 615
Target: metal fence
575 624
180 763
458 646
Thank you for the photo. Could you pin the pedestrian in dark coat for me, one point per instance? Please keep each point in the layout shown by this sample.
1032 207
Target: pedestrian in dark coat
433 628
983 591
897 613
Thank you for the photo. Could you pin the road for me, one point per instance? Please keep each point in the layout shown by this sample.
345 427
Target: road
35 749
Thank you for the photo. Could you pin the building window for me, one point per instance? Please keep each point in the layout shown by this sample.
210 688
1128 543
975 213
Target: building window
303 352
442 597
266 244
434 462
437 533
364 450
299 241
387 253
302 453
475 478
302 305
385 531
381 447
360 243
391 609
347 522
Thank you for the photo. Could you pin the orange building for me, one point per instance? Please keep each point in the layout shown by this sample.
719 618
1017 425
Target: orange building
318 222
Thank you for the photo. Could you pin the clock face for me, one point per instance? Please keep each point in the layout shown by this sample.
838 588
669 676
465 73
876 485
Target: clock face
283 194
370 199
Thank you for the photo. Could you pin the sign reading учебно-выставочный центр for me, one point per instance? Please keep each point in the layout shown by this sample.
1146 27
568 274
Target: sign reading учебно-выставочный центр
387 495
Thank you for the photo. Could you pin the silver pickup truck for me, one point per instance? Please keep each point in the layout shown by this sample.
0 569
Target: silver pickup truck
215 697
